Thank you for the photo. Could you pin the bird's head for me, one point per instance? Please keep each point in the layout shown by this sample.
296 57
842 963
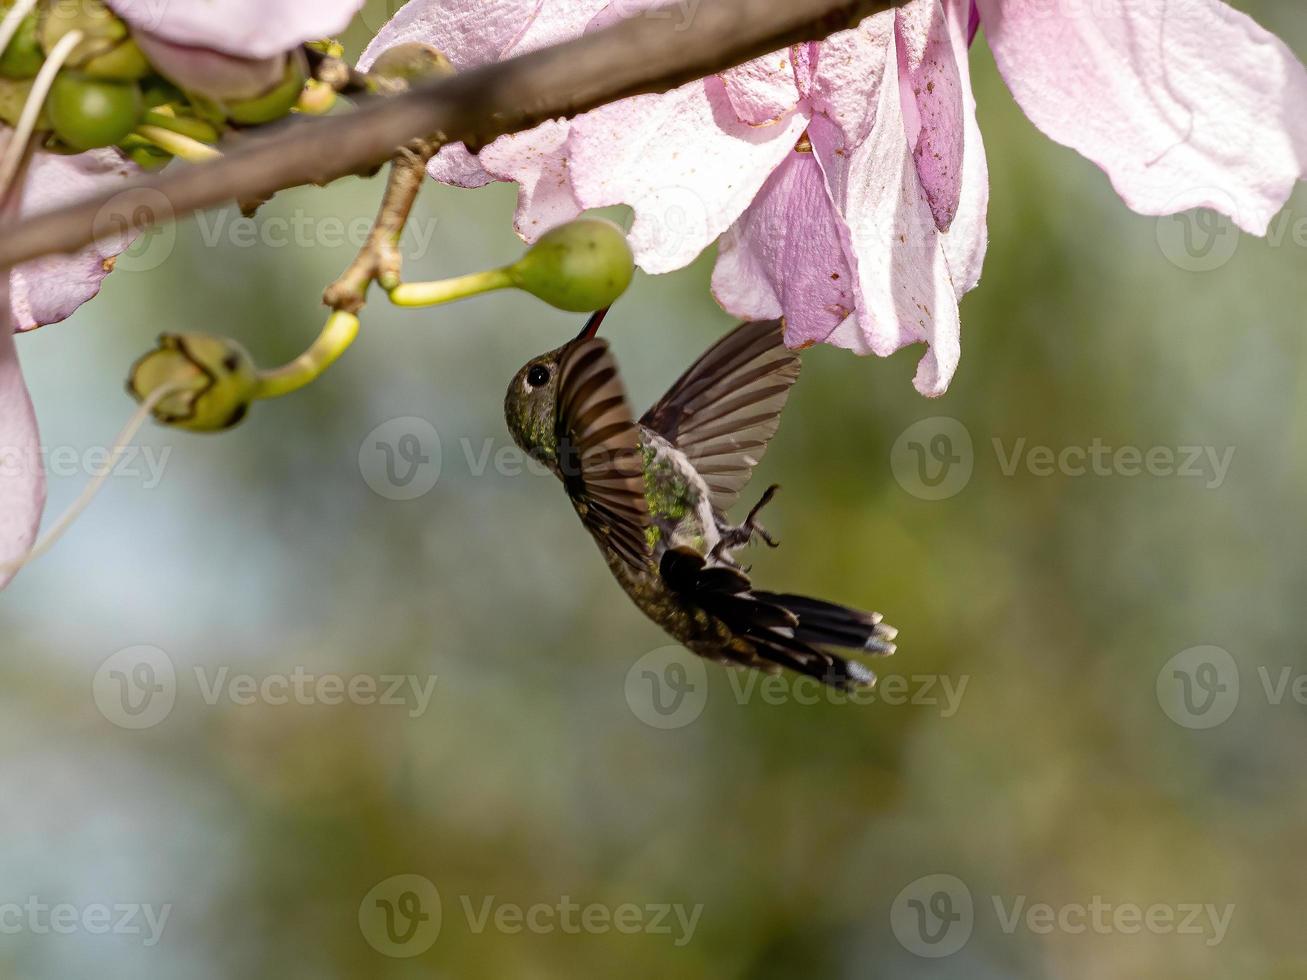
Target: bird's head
531 403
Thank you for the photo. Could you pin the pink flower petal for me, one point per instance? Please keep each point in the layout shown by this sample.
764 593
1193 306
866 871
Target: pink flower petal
22 476
50 289
455 165
784 257
468 34
471 35
538 161
850 68
968 237
931 91
764 90
219 76
683 161
905 292
248 28
1183 105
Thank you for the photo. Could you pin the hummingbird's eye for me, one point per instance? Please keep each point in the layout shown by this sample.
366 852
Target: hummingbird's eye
538 376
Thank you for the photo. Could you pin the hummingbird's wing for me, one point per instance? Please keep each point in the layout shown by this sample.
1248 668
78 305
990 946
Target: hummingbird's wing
599 452
723 412
770 630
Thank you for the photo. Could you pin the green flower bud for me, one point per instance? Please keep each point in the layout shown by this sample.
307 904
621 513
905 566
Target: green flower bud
14 95
87 113
275 103
399 67
24 57
106 49
580 267
214 377
196 129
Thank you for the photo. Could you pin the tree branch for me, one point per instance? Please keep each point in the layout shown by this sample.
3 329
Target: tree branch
650 52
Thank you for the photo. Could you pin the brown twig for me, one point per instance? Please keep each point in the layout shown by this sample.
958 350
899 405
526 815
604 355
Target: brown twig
379 259
651 52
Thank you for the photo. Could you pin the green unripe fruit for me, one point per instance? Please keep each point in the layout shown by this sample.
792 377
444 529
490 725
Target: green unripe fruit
276 103
24 57
214 377
583 266
87 113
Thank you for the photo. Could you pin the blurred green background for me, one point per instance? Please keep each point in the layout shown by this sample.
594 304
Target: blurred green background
1070 767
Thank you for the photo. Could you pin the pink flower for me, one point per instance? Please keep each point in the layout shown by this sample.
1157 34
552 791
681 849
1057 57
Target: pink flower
51 289
22 479
847 180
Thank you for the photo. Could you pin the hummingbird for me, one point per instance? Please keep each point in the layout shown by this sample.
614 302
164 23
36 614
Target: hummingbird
655 495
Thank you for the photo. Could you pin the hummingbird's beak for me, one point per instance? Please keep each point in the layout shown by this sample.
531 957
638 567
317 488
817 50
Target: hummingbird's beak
592 325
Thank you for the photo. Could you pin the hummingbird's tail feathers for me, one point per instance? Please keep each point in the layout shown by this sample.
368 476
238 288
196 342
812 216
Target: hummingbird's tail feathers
834 625
773 630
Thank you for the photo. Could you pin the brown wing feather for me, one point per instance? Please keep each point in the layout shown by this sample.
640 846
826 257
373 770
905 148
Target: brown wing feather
599 451
723 412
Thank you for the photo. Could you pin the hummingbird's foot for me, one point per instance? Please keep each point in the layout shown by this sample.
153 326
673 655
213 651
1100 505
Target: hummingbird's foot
734 538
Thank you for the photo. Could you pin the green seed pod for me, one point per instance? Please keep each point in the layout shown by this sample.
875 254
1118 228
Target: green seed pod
580 267
88 113
215 378
399 67
275 103
23 57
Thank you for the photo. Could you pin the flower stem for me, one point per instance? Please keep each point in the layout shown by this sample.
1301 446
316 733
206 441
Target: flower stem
188 149
27 120
340 332
411 294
